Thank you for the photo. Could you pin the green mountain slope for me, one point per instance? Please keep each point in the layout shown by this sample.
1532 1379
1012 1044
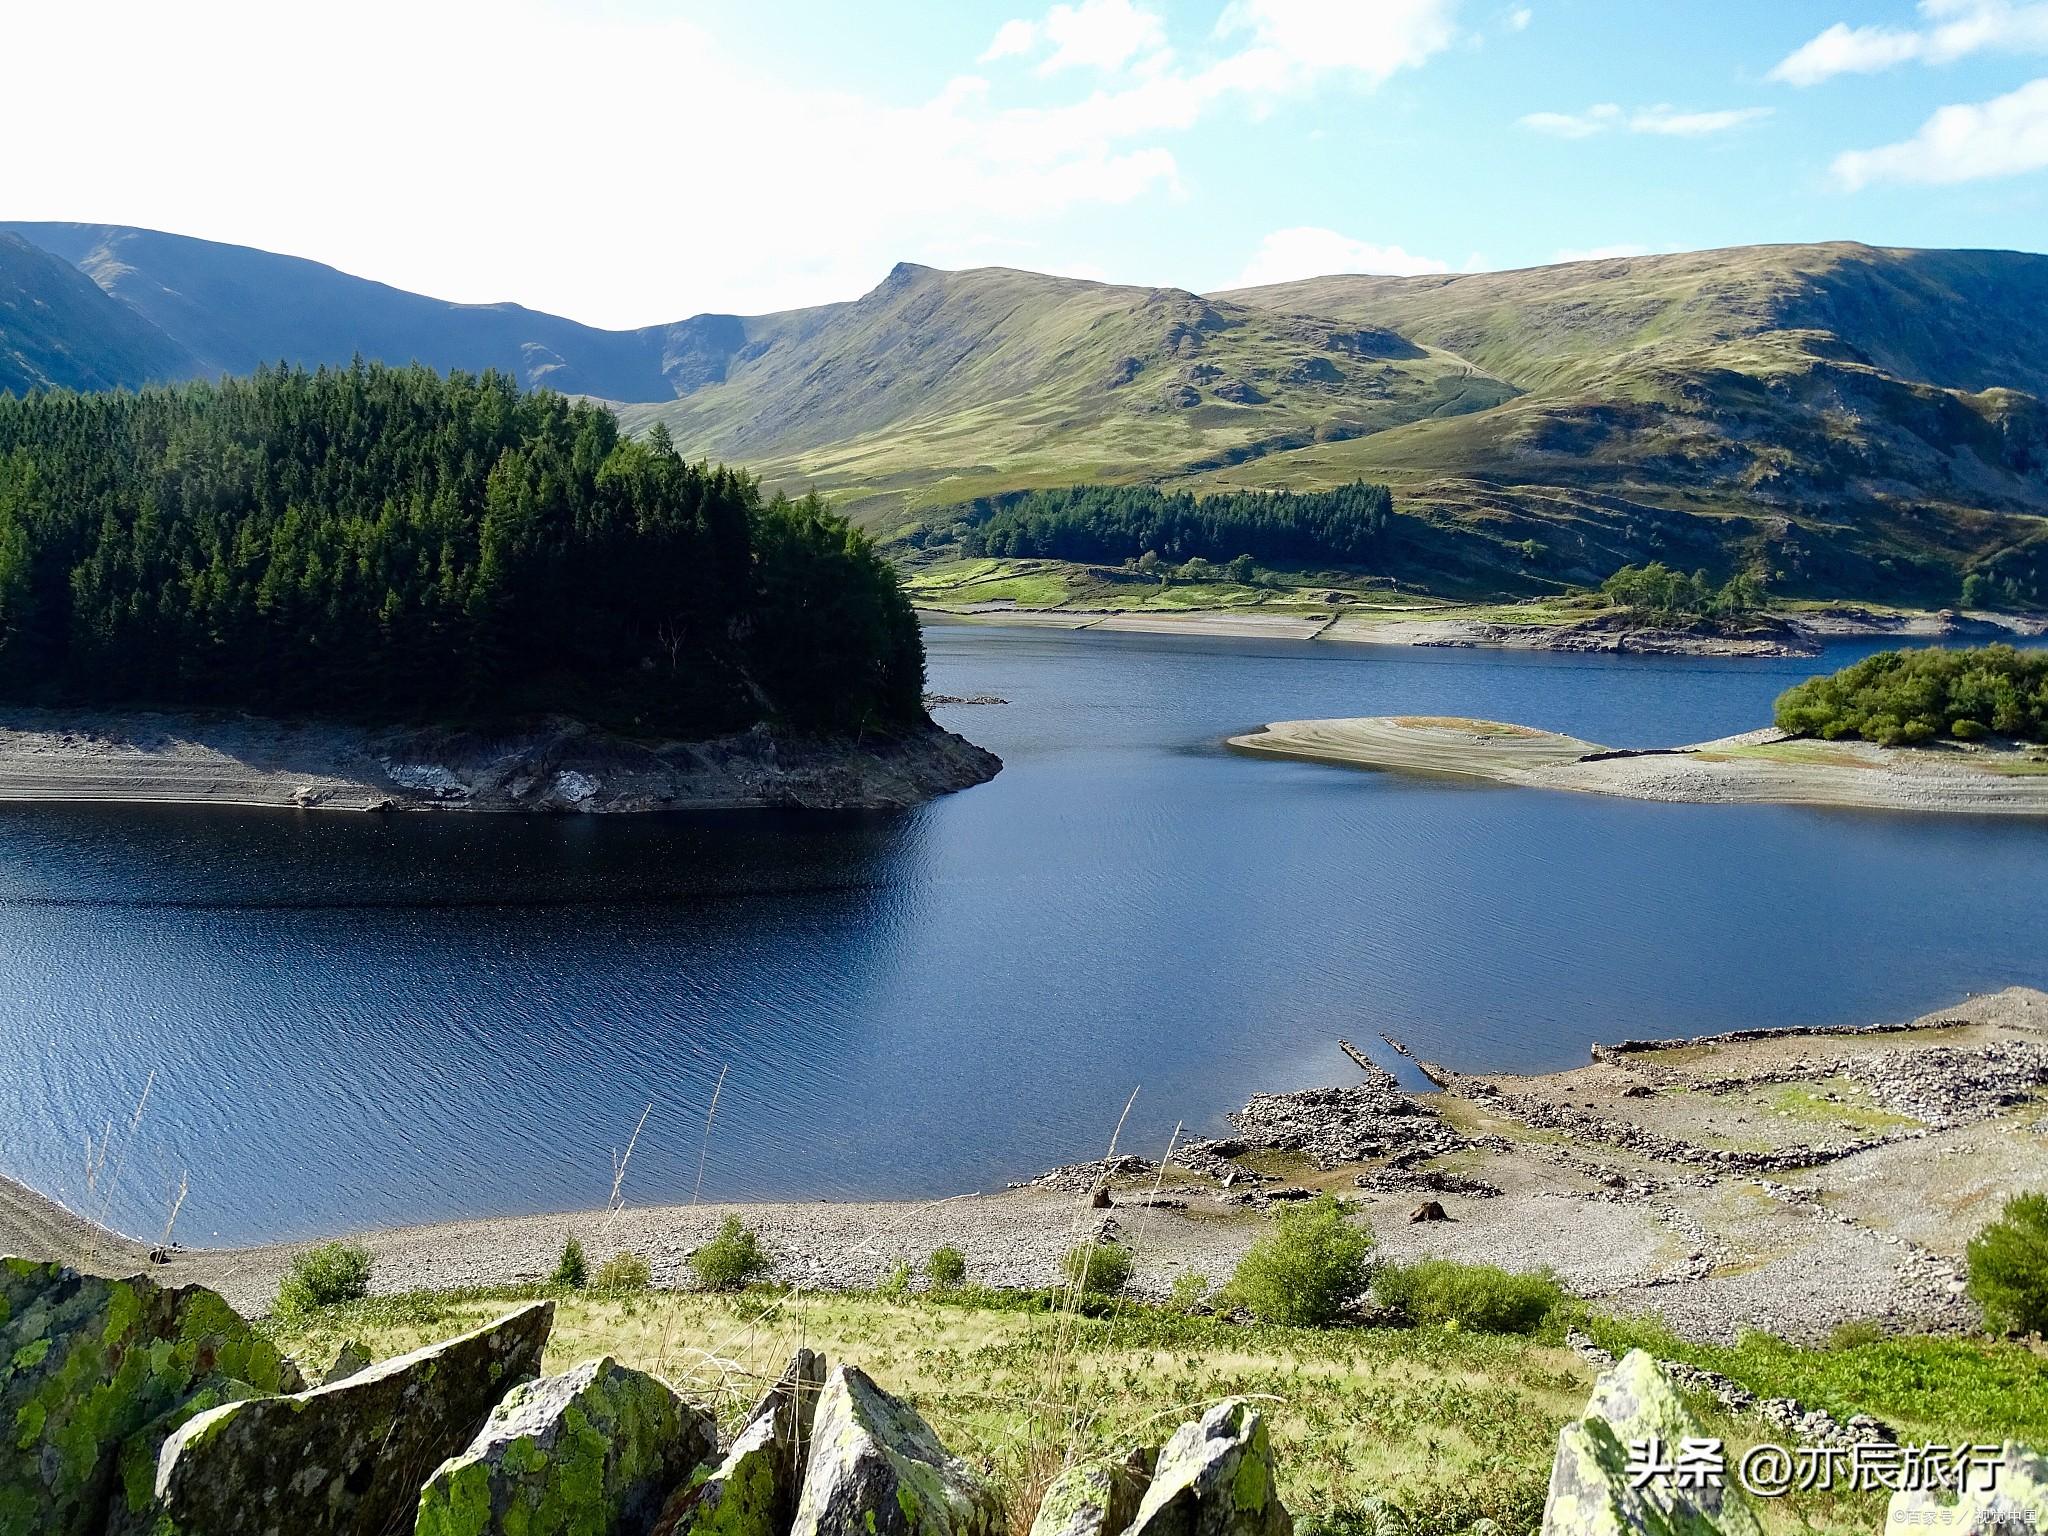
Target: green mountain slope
58 330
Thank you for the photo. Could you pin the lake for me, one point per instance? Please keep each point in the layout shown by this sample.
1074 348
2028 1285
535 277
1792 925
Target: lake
358 1021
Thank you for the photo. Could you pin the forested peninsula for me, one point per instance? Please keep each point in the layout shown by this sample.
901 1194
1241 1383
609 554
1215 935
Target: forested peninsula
495 572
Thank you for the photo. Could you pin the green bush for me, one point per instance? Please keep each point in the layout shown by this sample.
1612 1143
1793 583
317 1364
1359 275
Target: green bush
895 1286
322 1276
1481 1297
1900 698
947 1266
622 1272
572 1271
2008 1264
1308 1269
1190 1293
731 1260
1098 1269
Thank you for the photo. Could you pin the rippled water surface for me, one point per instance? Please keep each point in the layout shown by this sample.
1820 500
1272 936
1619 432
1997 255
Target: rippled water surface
360 1021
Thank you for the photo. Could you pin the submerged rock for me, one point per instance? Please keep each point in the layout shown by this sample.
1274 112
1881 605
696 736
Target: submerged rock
1095 1498
1215 1478
876 1469
348 1457
2016 1504
593 1450
754 1490
94 1374
1591 1488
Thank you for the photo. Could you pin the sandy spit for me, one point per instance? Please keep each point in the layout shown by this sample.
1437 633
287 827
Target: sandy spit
1755 768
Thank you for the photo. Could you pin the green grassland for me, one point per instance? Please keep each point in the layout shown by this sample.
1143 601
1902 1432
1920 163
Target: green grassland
1450 1425
1855 421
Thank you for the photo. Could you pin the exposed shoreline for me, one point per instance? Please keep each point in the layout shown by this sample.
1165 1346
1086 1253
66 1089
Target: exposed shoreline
1788 1178
1756 768
133 758
1432 625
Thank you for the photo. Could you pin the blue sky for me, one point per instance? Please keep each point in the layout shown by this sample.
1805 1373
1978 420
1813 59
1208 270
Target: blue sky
634 161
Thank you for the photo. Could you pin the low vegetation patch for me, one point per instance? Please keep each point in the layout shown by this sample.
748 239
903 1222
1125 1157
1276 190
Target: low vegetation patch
732 1259
622 1272
320 1277
1309 1269
1097 1269
1475 1296
2008 1265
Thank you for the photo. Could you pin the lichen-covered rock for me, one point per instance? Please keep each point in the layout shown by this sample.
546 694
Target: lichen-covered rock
753 1491
2015 1505
876 1469
1590 1483
347 1459
349 1360
94 1373
1215 1478
1095 1498
591 1452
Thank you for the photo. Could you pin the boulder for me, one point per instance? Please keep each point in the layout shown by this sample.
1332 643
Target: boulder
753 1491
350 1360
2016 1503
593 1450
1095 1498
876 1469
94 1373
1215 1478
1590 1482
346 1458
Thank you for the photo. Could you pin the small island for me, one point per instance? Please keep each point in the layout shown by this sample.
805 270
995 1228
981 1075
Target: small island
384 588
1929 730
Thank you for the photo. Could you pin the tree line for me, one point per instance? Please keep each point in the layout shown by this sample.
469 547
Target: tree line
1109 524
1900 698
390 543
1656 591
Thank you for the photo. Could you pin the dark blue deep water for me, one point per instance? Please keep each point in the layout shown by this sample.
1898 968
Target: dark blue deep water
366 1021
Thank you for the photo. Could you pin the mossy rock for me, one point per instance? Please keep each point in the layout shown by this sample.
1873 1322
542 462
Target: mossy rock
876 1469
1095 1498
591 1452
1590 1492
94 1374
1215 1477
350 1457
753 1491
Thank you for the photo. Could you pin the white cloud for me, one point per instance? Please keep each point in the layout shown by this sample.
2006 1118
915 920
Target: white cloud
1954 29
1662 119
1665 120
2002 137
1011 39
1519 19
1099 34
1306 251
1292 42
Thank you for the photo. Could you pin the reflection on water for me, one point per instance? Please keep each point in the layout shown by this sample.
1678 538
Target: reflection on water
362 1020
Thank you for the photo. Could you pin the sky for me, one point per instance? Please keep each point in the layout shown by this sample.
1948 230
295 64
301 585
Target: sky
631 162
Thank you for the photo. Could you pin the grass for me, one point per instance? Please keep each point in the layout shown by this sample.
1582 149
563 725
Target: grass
1806 1101
1451 1425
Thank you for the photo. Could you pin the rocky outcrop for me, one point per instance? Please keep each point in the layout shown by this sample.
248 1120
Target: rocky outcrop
1215 1478
1592 1492
596 1448
94 1375
753 1491
351 1457
1096 1498
2015 1503
876 1469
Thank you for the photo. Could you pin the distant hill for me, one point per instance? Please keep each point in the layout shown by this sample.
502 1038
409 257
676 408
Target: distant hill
1857 420
58 330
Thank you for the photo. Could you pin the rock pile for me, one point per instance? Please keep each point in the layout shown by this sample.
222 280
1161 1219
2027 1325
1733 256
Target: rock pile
1354 1124
137 1409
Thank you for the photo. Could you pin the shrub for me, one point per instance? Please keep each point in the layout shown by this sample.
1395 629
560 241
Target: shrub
1900 698
895 1285
2008 1264
731 1260
1968 730
572 1270
1476 1296
1857 1333
1308 1268
622 1272
1098 1269
947 1266
322 1276
1190 1293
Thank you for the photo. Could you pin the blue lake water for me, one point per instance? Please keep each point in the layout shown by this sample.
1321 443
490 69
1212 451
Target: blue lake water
358 1021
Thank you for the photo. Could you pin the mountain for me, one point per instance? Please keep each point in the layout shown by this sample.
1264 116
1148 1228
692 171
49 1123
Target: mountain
1856 419
58 330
